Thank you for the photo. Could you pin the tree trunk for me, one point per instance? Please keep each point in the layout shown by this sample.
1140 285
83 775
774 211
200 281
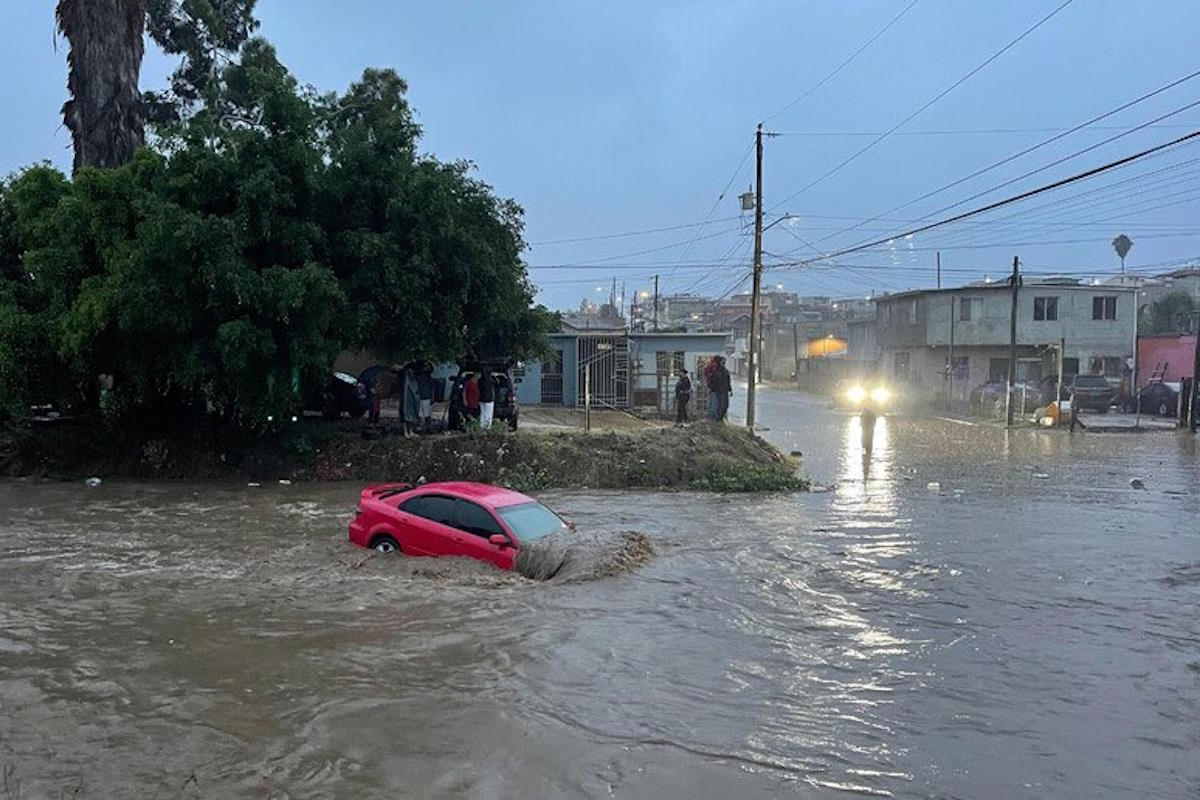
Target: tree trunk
104 113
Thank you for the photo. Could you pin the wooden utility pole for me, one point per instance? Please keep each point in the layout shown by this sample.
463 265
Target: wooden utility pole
1012 341
796 352
1196 377
939 269
655 303
950 359
1062 349
755 298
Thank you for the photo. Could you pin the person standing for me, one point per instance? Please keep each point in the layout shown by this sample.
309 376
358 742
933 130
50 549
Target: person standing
721 385
710 408
487 398
410 402
1075 420
683 396
471 396
425 395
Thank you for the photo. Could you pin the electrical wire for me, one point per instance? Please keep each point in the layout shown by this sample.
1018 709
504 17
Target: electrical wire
845 63
927 105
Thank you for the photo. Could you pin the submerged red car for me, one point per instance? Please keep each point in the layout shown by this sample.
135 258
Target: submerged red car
451 519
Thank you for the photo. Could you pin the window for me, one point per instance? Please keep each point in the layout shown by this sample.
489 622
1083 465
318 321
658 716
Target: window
965 309
1104 307
997 370
1070 367
1106 365
531 520
432 507
912 312
1045 309
476 519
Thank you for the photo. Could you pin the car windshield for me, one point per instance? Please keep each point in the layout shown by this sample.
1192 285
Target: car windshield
531 520
1091 380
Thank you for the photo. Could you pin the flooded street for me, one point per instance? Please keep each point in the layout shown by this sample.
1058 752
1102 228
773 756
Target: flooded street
982 614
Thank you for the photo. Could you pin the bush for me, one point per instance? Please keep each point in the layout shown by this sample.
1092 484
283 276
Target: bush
526 478
751 478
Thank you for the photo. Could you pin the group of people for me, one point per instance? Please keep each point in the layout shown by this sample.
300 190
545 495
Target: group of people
473 396
414 384
720 386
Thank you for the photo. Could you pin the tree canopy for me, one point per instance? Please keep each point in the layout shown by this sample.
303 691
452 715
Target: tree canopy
1168 314
227 265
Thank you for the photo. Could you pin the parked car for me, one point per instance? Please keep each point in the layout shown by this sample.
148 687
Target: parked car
990 396
506 407
1158 398
476 520
1093 392
343 394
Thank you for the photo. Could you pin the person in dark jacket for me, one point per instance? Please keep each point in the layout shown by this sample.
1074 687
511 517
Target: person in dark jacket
683 396
719 384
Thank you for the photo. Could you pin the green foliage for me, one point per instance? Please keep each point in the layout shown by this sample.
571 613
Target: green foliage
526 478
266 232
751 478
201 31
1167 314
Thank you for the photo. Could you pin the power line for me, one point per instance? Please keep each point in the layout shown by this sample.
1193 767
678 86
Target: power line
845 63
920 110
716 202
1044 143
957 131
1019 197
626 234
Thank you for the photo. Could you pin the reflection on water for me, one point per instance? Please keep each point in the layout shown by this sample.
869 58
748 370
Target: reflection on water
1004 636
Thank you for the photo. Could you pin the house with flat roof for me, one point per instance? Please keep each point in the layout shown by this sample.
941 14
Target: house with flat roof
918 332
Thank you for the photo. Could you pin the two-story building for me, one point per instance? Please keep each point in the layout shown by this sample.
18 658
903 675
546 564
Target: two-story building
1094 326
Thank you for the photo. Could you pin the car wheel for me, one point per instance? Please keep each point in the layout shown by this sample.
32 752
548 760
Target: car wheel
385 544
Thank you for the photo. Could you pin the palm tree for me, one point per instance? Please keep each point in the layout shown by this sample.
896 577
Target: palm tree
104 113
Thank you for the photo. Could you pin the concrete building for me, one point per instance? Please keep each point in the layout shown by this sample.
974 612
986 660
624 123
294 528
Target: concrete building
620 368
1095 325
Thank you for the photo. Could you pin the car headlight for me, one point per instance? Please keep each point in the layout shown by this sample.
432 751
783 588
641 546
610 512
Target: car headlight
880 394
856 394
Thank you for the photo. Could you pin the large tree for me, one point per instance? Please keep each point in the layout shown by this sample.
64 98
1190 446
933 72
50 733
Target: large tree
106 112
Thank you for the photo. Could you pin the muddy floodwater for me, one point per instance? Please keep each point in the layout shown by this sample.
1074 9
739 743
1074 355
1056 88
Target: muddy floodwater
971 614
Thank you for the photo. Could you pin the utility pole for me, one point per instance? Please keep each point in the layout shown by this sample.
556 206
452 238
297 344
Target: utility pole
656 304
939 272
1133 375
950 360
1012 341
1062 349
796 352
1196 376
755 297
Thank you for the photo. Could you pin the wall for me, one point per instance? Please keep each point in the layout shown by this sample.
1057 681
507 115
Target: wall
1178 351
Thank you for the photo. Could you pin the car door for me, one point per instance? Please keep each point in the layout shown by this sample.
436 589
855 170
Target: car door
476 525
429 526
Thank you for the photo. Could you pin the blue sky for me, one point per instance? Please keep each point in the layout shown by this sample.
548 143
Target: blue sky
607 118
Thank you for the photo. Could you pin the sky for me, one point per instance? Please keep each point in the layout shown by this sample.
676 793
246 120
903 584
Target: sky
605 120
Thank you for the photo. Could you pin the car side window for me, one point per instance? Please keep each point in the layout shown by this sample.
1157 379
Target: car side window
432 507
476 519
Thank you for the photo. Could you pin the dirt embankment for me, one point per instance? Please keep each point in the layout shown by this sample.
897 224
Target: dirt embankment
701 456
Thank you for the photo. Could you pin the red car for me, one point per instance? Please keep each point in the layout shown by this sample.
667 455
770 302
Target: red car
451 519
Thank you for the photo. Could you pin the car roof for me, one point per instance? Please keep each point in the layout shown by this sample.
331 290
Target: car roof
484 493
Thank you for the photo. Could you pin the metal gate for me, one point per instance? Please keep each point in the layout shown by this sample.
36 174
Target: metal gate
552 379
603 370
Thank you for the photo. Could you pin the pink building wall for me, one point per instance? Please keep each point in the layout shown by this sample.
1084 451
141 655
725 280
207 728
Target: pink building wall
1177 351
